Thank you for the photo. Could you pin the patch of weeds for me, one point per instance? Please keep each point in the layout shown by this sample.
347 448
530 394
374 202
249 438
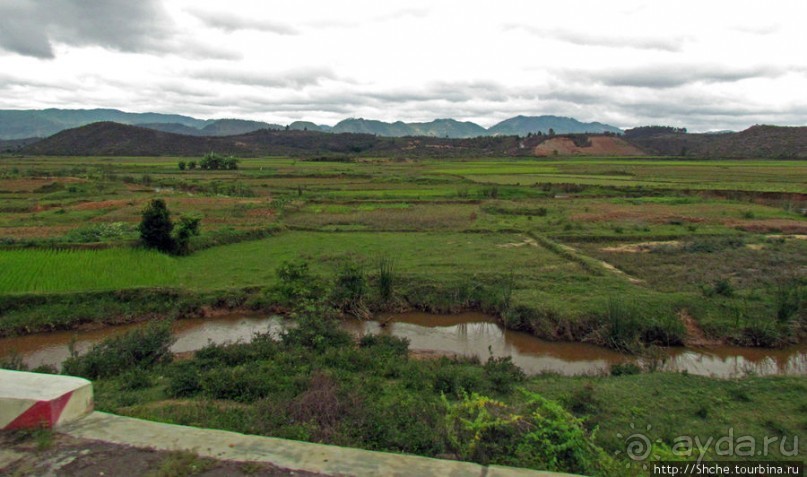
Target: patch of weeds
140 348
386 278
583 401
181 464
251 468
739 395
625 369
503 374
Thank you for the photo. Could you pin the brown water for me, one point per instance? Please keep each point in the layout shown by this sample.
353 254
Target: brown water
466 334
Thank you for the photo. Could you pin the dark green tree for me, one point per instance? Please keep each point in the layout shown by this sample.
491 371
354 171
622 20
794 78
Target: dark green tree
187 228
156 226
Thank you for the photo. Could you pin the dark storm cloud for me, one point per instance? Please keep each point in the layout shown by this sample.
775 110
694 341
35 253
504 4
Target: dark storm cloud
613 40
295 78
230 22
671 76
31 27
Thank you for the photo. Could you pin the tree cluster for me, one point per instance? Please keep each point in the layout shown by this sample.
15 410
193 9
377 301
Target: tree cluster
646 131
212 162
157 230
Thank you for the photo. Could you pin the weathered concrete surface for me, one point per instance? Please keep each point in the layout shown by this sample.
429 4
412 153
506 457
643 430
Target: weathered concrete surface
61 455
29 400
294 455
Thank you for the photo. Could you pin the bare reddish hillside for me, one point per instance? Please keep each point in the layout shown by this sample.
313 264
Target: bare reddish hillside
595 146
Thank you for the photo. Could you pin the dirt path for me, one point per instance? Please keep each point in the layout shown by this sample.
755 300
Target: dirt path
695 337
43 453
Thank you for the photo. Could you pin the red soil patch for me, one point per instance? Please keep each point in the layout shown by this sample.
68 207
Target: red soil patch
785 226
260 213
104 204
34 232
600 146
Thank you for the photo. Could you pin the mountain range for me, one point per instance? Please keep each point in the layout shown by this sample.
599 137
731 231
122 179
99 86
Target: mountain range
113 139
20 124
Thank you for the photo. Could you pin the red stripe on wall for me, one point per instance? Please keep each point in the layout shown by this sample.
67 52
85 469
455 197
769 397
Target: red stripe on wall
41 414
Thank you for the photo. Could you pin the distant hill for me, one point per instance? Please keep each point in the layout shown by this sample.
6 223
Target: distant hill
175 128
523 125
770 142
15 145
18 124
309 126
232 127
108 138
437 128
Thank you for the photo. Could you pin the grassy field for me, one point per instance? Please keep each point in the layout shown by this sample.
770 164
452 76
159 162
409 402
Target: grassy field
572 233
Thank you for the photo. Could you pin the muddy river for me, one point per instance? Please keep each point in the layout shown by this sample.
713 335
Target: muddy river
466 334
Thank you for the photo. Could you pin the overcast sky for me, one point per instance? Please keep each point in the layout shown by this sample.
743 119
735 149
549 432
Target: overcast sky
705 65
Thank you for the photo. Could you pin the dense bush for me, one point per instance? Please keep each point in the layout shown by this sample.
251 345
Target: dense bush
539 434
142 348
317 333
156 229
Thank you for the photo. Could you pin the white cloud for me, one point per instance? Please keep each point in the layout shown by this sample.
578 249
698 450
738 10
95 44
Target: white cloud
628 63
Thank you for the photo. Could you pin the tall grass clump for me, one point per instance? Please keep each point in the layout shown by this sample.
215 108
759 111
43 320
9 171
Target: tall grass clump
350 289
789 300
141 348
386 278
622 325
629 327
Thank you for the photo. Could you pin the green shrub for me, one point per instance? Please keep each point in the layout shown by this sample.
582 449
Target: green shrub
185 380
502 374
723 287
245 383
402 422
539 434
385 344
625 369
296 287
788 300
451 379
135 379
156 226
317 333
583 400
143 347
350 288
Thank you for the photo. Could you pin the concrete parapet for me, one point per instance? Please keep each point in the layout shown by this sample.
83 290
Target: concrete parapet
288 454
29 400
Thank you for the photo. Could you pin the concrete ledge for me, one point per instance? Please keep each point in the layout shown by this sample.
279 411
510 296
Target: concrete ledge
288 454
29 400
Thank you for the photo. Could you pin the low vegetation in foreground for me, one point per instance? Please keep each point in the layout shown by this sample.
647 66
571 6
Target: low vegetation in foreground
320 384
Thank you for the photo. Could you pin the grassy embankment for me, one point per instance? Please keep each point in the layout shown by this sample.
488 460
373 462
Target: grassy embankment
532 240
317 383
